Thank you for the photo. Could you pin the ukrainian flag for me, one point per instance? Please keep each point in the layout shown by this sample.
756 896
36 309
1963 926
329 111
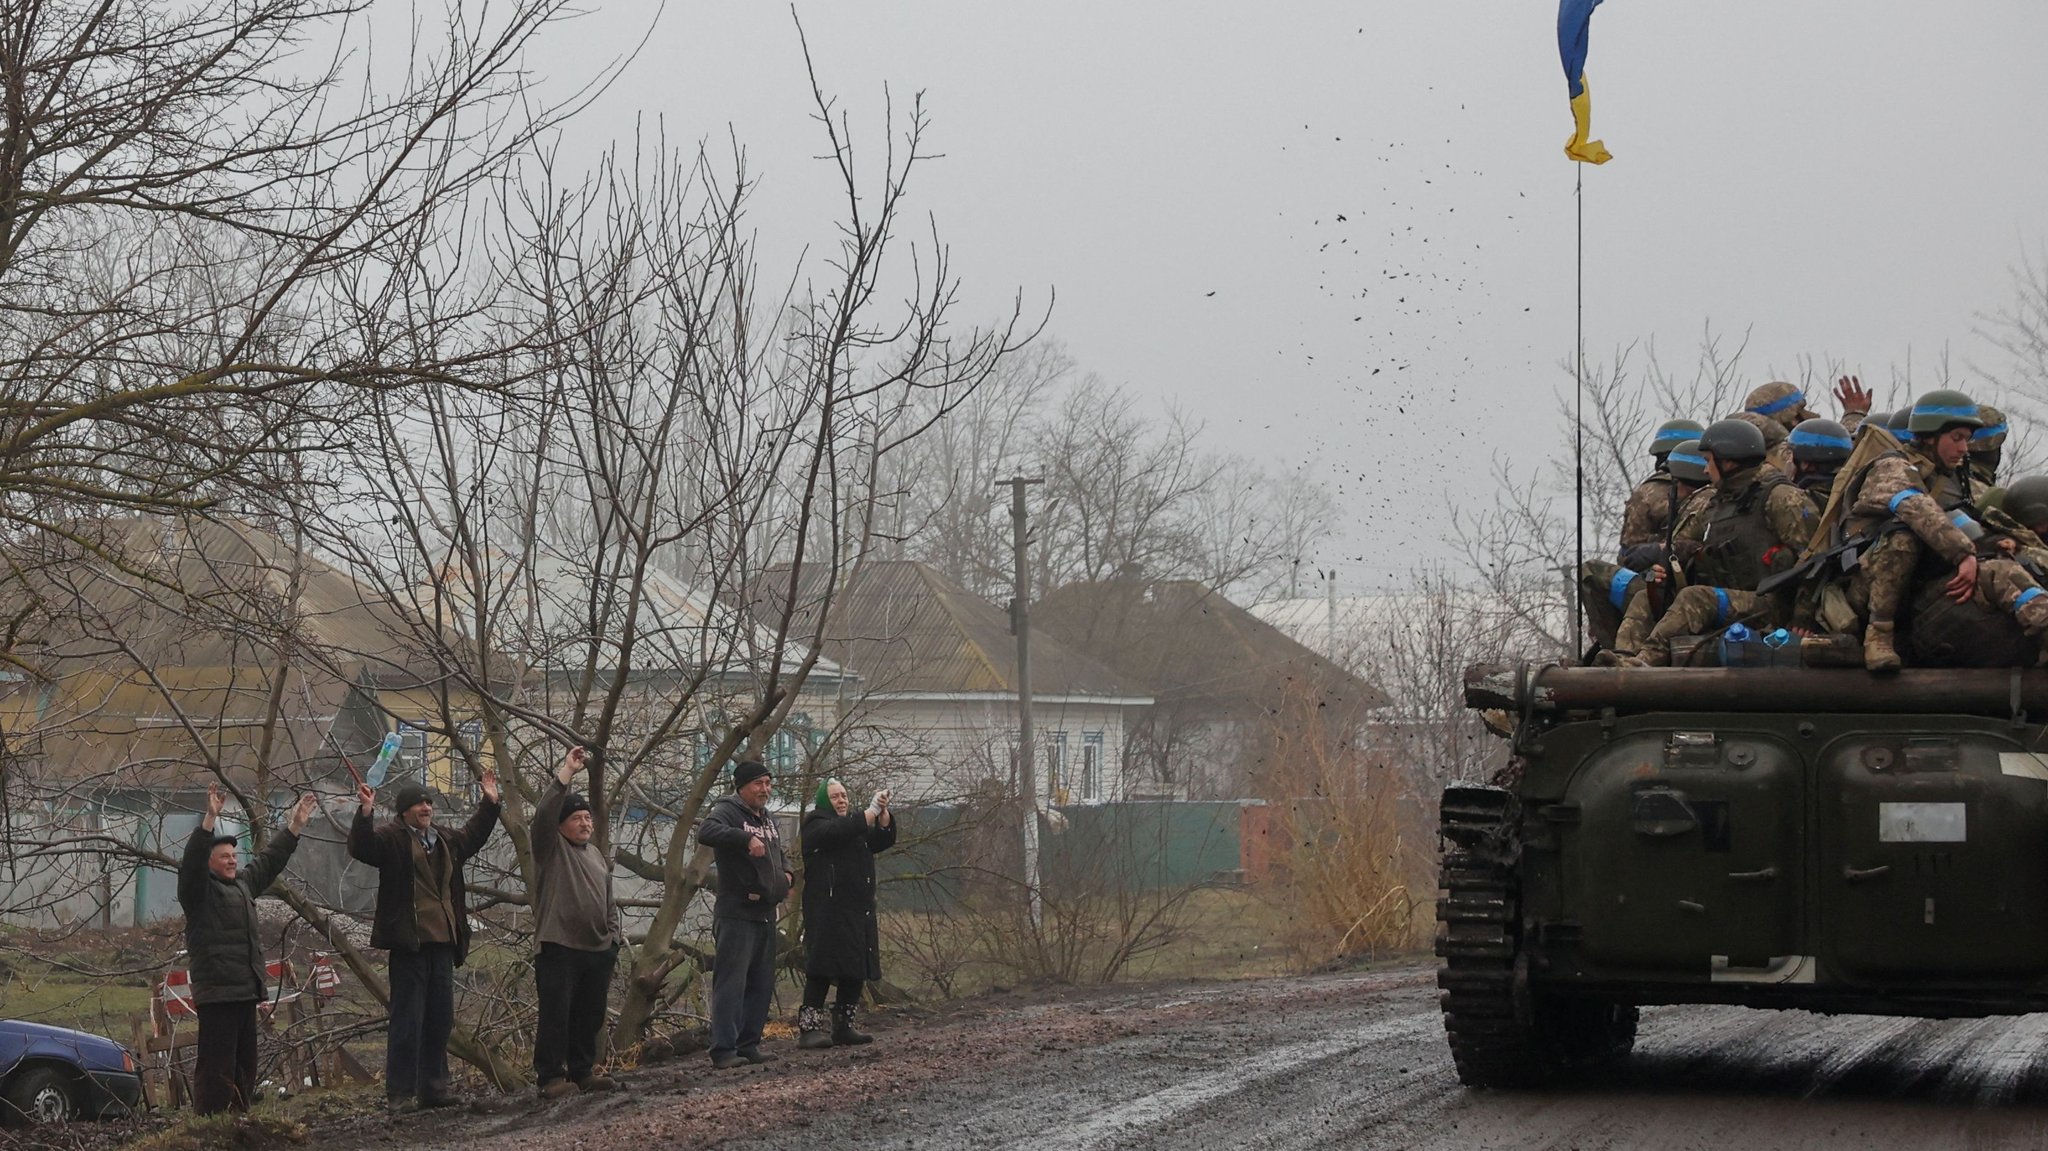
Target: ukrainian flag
1574 25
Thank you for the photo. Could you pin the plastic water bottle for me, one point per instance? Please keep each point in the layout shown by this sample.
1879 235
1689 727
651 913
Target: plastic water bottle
1777 638
385 755
1735 645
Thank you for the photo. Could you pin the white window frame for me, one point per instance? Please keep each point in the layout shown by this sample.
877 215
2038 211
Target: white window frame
1091 766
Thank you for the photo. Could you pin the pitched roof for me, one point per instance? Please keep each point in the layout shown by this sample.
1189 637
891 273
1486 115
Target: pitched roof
1185 643
154 645
545 603
157 592
905 628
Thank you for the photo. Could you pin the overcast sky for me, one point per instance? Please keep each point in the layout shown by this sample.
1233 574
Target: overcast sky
1848 179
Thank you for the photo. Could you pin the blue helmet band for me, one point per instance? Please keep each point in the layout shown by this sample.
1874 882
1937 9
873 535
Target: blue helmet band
1687 458
1961 411
1987 433
1780 404
1816 440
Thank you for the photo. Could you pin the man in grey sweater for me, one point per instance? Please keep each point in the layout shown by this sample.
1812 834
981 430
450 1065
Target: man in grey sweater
577 927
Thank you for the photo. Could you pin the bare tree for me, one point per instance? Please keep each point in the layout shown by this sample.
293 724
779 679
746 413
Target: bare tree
578 547
198 210
1124 492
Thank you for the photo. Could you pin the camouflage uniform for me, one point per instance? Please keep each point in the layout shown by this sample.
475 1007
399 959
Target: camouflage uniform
1643 609
1775 409
1899 487
1651 509
1790 514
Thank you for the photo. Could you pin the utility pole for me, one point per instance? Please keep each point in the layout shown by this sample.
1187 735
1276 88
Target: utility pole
1020 624
1330 620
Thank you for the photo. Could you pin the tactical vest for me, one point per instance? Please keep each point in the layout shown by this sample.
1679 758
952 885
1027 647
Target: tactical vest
1739 548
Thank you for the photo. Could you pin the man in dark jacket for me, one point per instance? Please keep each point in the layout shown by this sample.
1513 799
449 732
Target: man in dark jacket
753 880
423 923
576 926
224 953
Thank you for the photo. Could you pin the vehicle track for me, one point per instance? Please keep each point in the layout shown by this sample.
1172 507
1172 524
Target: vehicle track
1362 1068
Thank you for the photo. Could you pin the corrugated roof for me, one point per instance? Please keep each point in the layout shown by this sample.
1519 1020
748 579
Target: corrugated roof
904 627
677 627
160 644
157 592
1184 642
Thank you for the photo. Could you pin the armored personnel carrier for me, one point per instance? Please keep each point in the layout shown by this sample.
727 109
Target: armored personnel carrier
1826 840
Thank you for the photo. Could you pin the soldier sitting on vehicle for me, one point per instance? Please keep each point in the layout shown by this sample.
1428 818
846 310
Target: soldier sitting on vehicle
1910 511
1755 523
1643 598
1646 523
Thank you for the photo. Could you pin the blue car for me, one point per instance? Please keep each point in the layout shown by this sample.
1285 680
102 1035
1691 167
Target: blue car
55 1074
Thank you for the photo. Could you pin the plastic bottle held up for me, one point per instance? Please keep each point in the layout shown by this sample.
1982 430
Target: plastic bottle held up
385 755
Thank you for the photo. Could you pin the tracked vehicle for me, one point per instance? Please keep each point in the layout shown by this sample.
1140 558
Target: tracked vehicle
1827 840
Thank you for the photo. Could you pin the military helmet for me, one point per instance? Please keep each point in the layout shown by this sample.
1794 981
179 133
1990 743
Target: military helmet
1943 408
1736 441
1686 463
1897 420
1820 441
2026 500
1988 439
1672 433
1778 401
1877 419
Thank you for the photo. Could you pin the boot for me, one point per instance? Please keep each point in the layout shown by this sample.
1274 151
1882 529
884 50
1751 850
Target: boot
843 1034
1878 652
810 1026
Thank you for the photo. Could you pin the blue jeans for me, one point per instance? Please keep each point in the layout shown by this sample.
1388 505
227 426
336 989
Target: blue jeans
742 982
422 1015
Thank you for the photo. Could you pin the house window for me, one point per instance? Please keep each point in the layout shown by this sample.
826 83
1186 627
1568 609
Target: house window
412 754
1056 765
793 736
469 740
1091 766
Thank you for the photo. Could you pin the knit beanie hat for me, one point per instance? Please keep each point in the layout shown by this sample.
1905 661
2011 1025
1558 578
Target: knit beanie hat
571 804
409 797
747 772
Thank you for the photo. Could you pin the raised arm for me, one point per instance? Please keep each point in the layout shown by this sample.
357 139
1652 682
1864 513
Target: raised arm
266 867
547 814
364 844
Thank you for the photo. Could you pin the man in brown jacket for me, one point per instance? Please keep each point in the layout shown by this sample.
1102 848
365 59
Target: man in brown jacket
423 923
576 924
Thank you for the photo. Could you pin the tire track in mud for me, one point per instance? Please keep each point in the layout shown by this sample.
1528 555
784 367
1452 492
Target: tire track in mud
1365 1066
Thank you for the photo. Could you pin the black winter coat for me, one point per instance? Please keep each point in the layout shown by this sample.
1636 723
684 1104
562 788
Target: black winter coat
749 886
841 940
221 947
388 848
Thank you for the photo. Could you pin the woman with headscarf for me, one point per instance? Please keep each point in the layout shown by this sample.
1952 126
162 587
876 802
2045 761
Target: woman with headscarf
843 946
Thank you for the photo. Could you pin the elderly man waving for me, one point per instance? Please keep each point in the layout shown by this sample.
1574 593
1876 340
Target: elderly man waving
577 927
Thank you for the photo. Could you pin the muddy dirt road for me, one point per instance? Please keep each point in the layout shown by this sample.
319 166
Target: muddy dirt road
1354 1061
